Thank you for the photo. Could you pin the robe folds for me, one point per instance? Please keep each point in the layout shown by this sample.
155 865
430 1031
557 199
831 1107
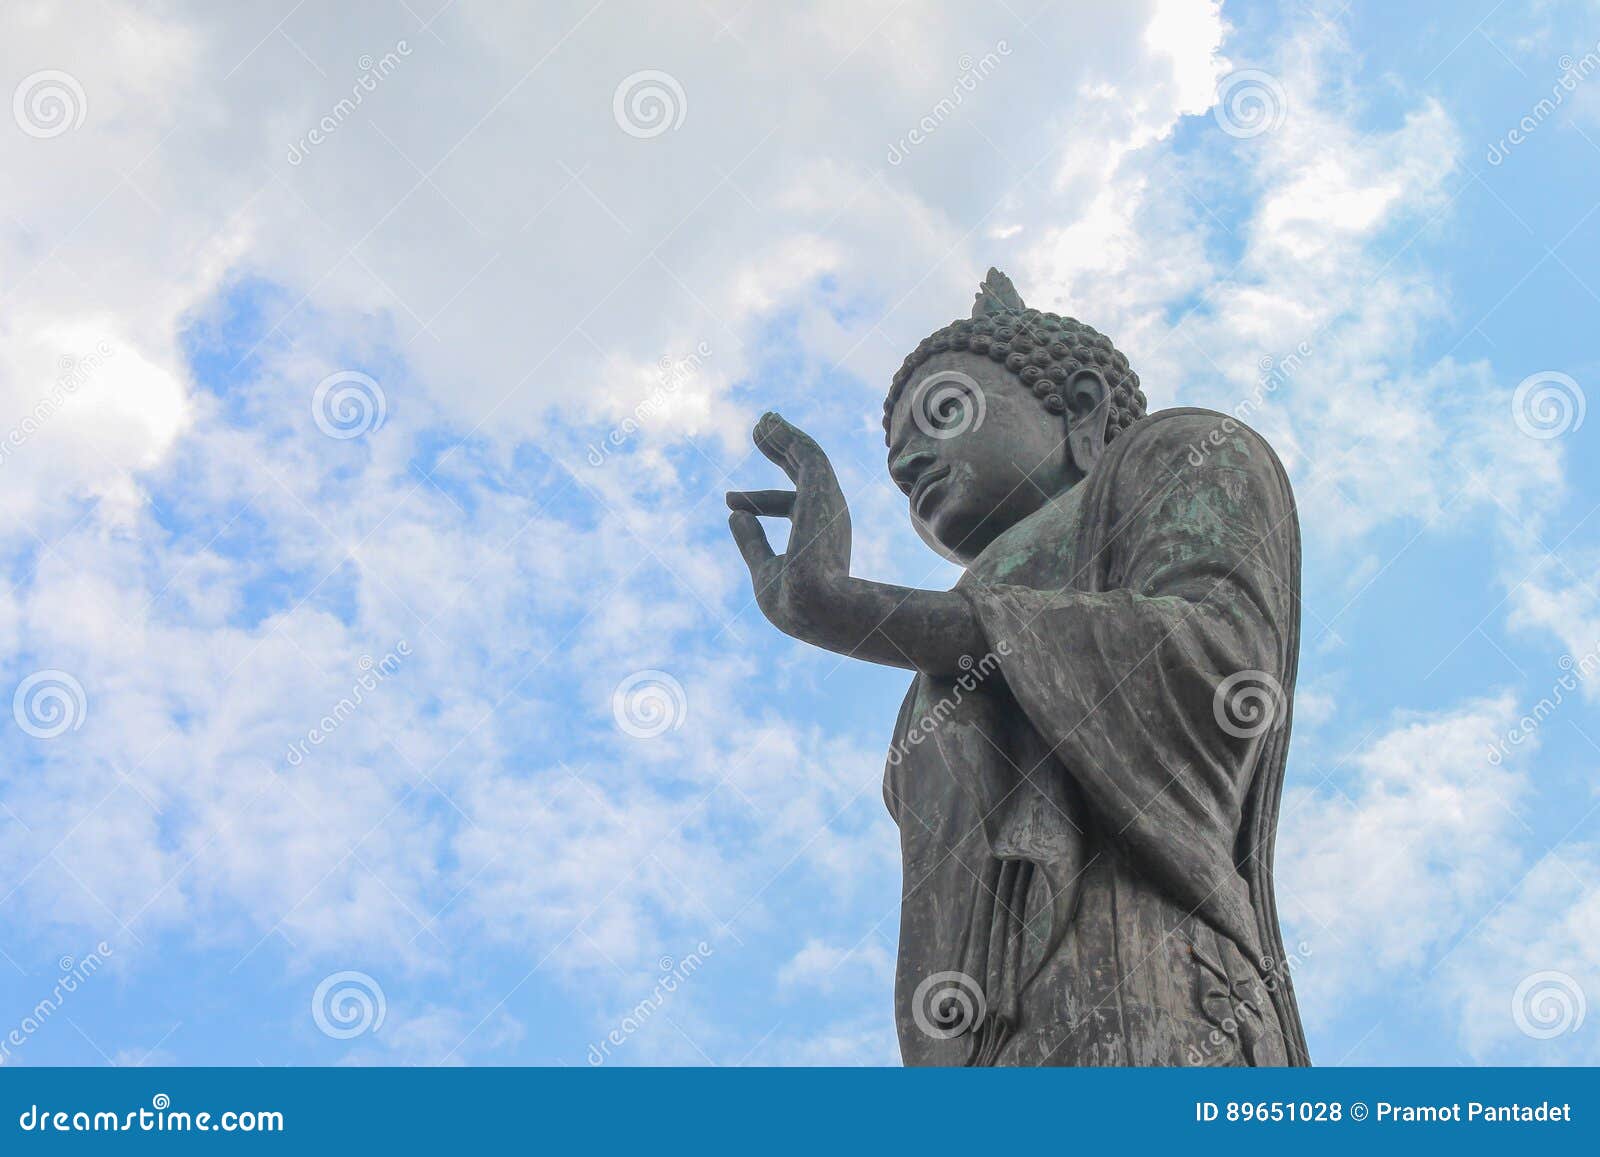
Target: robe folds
1087 814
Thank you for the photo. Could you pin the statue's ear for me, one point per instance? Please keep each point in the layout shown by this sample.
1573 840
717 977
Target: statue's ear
1088 401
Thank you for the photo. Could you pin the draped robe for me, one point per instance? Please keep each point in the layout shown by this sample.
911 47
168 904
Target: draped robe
1087 814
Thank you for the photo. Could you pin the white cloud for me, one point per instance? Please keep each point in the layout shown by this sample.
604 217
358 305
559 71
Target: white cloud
827 967
1539 939
513 267
511 261
1378 879
847 1042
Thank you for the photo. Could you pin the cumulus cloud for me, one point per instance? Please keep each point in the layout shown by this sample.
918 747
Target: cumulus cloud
818 966
1378 876
1527 979
455 208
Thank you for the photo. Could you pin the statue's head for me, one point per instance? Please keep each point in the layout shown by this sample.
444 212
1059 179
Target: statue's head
996 414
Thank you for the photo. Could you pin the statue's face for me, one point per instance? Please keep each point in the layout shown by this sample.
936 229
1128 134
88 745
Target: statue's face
974 451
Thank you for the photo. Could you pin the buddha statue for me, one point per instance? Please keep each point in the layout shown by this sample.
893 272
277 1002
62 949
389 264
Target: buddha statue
1086 768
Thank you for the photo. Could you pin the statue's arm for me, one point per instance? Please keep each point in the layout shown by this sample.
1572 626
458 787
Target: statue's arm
921 630
808 591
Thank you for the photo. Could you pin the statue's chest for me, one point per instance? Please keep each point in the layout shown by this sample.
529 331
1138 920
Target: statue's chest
1039 552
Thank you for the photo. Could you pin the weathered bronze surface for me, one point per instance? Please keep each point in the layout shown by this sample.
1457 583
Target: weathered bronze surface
1087 766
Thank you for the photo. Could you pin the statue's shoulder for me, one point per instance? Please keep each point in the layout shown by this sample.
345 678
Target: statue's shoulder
1189 439
1185 444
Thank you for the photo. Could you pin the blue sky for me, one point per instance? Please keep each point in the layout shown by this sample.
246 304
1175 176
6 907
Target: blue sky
516 265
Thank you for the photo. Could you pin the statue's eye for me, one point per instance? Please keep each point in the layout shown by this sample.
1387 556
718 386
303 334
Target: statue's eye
944 408
947 404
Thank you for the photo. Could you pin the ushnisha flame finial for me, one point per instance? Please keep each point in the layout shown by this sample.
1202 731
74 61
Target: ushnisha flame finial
996 296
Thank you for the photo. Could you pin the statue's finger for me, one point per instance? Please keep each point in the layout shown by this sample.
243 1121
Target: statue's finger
752 539
788 446
772 439
769 503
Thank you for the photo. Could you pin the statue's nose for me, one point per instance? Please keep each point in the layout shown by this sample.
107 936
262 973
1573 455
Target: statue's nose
906 468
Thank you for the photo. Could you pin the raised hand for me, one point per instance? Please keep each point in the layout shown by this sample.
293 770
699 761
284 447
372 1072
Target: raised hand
798 589
807 591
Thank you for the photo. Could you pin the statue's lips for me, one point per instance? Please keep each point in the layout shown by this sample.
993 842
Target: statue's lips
924 486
